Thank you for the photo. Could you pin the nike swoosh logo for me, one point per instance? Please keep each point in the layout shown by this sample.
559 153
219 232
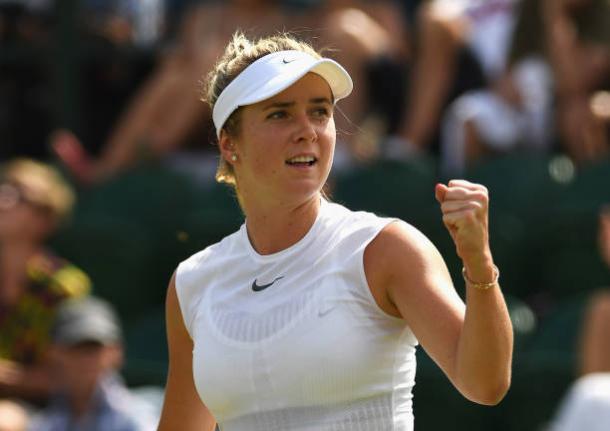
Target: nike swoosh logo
287 61
259 287
324 312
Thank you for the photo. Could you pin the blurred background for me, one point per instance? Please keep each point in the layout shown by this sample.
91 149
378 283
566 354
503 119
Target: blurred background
514 94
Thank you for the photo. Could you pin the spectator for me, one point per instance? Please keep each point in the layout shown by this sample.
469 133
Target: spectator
578 36
166 112
559 45
460 44
34 200
148 129
514 111
587 404
372 41
86 355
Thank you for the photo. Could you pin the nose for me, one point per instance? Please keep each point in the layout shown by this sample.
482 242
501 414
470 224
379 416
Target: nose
305 129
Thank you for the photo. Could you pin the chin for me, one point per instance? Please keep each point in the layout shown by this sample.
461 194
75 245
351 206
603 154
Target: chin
305 189
301 195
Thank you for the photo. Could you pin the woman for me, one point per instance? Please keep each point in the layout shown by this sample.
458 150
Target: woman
35 200
307 318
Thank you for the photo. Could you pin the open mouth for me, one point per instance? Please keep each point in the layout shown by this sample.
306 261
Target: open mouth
302 161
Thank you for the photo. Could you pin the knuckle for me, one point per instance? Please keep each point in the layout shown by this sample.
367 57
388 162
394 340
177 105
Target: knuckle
480 195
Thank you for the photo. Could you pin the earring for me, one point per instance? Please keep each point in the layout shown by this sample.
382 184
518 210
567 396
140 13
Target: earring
234 157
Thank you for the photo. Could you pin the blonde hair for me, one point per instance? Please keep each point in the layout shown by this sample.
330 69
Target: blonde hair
43 185
238 55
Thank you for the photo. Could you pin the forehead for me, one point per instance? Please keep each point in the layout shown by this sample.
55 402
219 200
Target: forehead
311 86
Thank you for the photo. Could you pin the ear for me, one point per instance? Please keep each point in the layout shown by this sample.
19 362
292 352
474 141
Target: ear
227 147
114 356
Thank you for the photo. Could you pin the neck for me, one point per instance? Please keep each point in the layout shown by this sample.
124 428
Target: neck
80 403
13 268
276 228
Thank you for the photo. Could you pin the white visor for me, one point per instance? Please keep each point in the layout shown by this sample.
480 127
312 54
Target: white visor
271 75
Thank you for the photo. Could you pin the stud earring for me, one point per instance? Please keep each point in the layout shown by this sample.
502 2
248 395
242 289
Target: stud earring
234 157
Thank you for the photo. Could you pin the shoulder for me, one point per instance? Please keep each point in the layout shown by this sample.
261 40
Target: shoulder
193 275
62 277
204 258
401 240
347 230
393 235
124 409
49 419
337 215
403 257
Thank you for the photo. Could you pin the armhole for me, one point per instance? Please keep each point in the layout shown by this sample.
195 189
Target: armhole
182 301
366 289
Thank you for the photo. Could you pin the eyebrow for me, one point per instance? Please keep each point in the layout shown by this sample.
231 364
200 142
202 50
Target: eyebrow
315 101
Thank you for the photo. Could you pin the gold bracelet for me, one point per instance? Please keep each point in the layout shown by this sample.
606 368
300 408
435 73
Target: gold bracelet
482 286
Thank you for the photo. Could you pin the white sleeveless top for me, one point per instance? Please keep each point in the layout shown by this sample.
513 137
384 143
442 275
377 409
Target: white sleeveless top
295 340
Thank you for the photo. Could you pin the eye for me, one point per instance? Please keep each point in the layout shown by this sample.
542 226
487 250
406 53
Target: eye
322 112
275 115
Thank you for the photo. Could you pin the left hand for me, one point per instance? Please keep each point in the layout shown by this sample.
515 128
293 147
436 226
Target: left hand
465 214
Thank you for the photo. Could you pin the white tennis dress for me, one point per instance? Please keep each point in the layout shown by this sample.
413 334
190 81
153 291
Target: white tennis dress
295 340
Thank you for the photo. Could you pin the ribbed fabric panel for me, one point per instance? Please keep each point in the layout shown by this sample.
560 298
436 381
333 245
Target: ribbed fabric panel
372 414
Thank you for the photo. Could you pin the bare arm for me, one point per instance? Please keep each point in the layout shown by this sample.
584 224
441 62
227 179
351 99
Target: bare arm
182 407
472 344
562 40
33 383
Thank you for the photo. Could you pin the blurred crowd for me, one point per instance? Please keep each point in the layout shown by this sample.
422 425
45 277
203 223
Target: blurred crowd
92 89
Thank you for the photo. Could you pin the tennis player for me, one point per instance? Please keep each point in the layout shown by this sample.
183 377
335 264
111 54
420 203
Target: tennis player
307 318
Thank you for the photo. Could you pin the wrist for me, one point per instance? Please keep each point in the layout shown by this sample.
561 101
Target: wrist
480 270
482 285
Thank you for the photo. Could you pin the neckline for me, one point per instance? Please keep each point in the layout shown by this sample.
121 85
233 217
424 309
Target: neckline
294 248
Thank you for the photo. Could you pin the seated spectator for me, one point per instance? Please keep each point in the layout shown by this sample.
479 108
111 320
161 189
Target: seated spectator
372 41
166 113
460 44
578 34
513 112
587 404
86 355
34 200
560 55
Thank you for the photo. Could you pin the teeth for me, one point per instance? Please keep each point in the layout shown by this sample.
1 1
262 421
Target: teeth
302 159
